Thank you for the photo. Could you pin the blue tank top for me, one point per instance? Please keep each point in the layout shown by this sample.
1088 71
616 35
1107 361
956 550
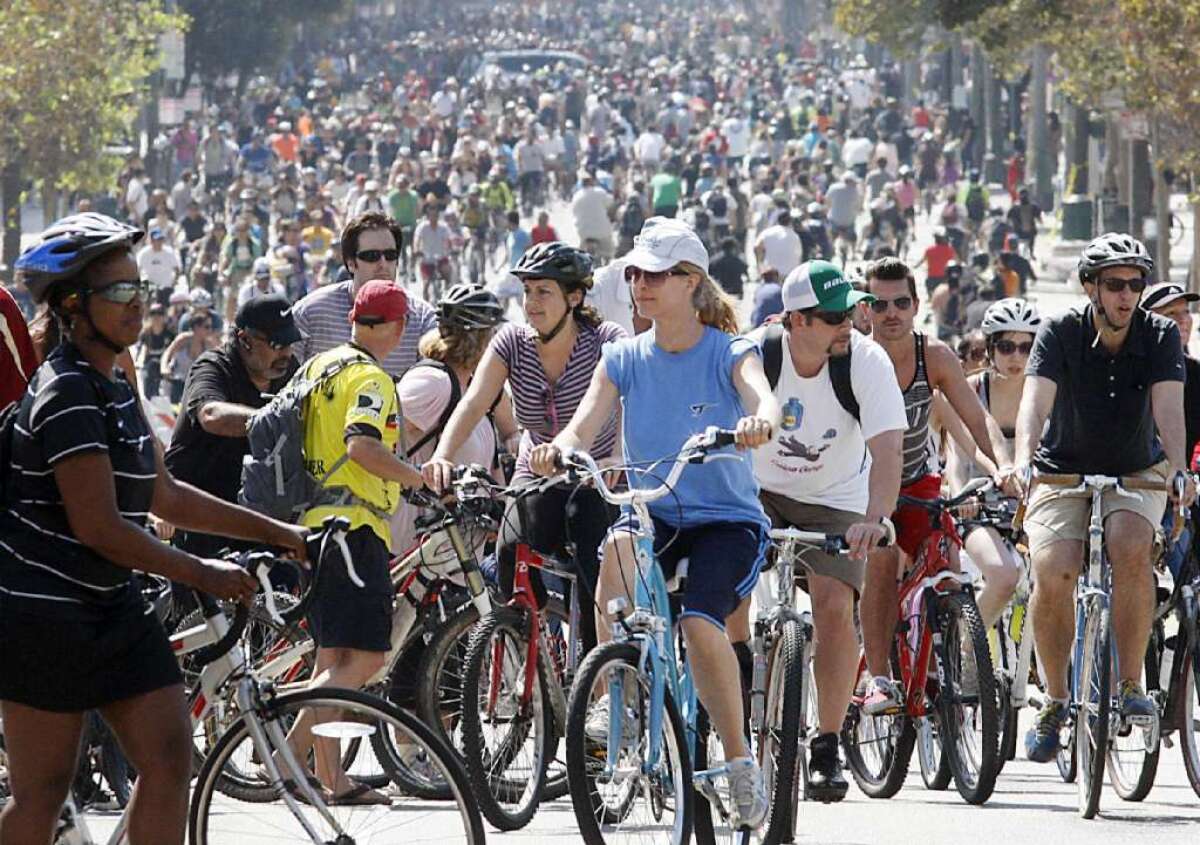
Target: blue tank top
668 396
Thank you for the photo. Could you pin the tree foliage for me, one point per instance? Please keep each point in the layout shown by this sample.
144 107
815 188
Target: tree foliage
71 82
247 36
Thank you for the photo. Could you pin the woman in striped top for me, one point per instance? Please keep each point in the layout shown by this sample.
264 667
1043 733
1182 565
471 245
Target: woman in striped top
85 473
548 365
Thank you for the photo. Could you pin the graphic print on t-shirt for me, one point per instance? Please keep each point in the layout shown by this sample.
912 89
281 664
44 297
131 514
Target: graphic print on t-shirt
791 448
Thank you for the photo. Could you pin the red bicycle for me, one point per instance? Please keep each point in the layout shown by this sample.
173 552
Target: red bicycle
516 671
941 657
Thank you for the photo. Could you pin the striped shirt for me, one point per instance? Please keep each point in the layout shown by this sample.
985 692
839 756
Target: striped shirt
71 409
544 409
918 404
323 317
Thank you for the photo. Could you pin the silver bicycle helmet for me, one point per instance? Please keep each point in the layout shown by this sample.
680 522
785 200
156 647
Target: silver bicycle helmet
1010 315
469 306
1113 249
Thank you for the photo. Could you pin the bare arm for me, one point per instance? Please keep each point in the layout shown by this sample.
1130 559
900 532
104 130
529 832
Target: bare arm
1037 401
947 376
377 459
169 356
961 438
884 479
592 413
752 386
224 419
1166 403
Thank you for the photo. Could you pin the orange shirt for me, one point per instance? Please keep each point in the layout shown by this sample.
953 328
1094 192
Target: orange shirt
286 146
936 259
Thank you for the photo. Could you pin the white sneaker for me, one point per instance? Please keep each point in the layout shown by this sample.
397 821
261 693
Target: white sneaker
596 726
747 794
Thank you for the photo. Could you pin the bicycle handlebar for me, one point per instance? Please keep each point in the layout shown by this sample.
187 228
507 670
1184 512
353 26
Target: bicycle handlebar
260 564
695 449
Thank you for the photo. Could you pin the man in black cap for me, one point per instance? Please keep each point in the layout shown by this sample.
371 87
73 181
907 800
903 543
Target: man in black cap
1173 301
224 388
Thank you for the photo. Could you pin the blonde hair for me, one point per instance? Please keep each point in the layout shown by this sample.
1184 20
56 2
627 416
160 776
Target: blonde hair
713 306
454 347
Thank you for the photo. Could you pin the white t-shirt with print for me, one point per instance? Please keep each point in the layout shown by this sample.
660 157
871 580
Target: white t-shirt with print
819 456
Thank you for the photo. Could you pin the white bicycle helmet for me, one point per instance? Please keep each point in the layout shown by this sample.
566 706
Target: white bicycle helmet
200 298
1010 315
1113 249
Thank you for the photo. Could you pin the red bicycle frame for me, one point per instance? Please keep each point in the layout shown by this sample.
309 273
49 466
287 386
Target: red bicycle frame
523 598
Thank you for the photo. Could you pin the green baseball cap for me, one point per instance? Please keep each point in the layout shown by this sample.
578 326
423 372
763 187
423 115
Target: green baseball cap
821 285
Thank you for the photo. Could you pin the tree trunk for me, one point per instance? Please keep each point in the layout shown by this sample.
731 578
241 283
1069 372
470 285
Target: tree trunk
10 190
1141 179
1195 269
1039 131
1162 211
996 129
1077 152
977 101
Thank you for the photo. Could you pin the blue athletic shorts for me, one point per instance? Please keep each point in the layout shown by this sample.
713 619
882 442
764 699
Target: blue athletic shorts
724 559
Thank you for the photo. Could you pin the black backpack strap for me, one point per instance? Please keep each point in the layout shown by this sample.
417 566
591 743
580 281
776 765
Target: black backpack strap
843 387
455 396
772 352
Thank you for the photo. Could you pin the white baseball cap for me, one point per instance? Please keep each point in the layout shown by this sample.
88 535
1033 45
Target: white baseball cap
663 243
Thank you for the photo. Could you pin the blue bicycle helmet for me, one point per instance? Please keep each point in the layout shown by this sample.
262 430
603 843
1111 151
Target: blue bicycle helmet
69 245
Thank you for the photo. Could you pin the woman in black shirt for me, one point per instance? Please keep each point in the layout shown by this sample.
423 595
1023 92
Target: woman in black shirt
86 473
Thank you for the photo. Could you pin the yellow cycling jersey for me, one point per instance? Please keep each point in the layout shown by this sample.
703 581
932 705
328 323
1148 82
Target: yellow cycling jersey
359 399
473 216
497 195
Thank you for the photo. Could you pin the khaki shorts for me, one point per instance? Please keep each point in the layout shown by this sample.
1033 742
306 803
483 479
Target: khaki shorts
1054 515
788 513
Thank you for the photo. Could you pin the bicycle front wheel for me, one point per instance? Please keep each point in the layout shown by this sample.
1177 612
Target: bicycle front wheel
779 740
629 801
968 706
878 748
507 735
343 716
1189 716
1095 702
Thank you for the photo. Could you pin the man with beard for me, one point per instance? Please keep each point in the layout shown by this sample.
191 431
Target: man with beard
830 468
224 388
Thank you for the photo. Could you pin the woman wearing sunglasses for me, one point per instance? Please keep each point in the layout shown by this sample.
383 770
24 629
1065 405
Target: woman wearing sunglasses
183 351
85 473
689 372
548 365
1009 326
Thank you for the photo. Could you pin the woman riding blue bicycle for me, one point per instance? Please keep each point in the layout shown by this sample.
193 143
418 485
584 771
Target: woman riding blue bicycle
688 373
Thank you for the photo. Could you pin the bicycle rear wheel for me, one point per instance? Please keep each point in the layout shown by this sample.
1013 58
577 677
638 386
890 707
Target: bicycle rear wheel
627 803
214 820
507 739
931 754
1133 751
967 703
1095 703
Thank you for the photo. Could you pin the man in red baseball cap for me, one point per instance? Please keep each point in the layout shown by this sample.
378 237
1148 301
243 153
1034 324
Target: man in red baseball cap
351 428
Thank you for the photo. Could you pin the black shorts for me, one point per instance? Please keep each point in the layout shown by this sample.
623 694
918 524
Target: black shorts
69 667
344 615
724 559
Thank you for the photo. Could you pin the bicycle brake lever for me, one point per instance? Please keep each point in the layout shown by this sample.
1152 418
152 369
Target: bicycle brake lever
262 572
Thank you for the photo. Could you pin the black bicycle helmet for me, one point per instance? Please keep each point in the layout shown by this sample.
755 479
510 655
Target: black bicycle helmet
67 246
570 267
1113 249
469 306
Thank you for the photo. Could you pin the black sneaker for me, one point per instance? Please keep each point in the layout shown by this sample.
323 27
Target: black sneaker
825 780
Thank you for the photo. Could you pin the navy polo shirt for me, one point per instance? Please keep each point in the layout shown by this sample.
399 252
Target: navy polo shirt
1102 420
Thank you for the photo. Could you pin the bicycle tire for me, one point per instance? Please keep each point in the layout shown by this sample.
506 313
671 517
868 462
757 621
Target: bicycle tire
507 803
409 771
975 779
778 744
810 721
1128 785
1068 764
116 769
1095 700
1189 720
894 747
439 676
368 710
592 812
931 756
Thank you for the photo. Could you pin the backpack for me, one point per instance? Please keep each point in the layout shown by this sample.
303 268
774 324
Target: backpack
632 218
275 480
976 207
718 205
839 369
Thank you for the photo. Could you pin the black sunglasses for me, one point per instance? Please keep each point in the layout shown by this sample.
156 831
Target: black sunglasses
1008 347
1117 285
831 318
373 255
975 353
902 303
